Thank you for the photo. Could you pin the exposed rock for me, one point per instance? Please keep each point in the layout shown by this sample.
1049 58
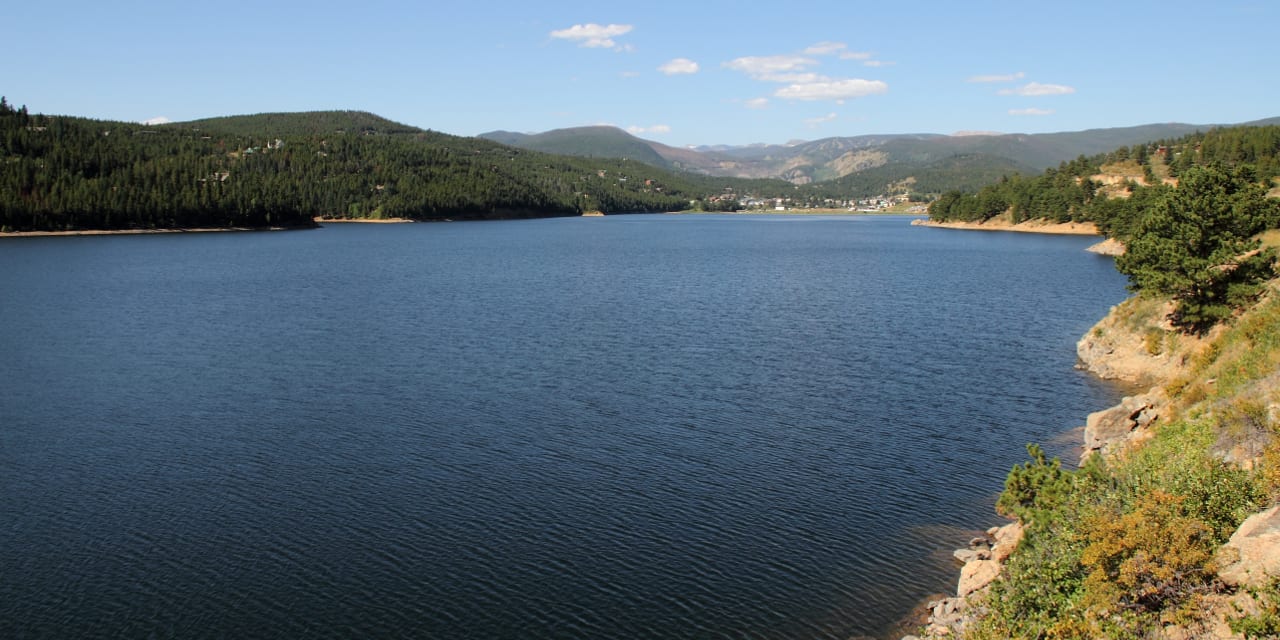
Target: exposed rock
977 575
1007 538
969 555
1120 347
1108 247
1109 430
1253 552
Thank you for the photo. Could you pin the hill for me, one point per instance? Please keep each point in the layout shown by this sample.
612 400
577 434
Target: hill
66 173
299 124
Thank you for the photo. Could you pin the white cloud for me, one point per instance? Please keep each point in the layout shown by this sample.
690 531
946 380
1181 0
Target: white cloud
1008 77
156 120
802 83
1038 89
832 90
813 122
758 103
595 35
825 48
679 66
657 128
630 74
798 78
856 55
878 63
770 67
1031 112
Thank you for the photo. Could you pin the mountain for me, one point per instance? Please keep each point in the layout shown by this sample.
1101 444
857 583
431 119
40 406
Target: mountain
586 142
305 123
951 161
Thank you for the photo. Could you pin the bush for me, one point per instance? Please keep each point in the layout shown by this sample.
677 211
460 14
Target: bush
1148 560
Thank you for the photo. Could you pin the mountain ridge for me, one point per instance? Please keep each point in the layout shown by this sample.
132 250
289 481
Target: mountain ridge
836 157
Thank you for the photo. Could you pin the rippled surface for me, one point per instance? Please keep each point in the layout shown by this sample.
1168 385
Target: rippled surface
628 427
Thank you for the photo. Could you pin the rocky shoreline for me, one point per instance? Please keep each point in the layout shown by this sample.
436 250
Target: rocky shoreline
1120 348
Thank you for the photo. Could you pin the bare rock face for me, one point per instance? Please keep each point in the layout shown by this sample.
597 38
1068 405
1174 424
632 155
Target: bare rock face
1117 348
1253 552
1109 430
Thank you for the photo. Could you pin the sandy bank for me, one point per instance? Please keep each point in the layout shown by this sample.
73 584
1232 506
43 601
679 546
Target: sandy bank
1029 226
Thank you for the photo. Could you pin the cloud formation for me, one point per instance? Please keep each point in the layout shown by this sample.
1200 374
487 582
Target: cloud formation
1038 89
825 48
679 66
832 90
1008 77
156 120
657 128
593 35
758 103
771 68
1031 112
795 71
813 122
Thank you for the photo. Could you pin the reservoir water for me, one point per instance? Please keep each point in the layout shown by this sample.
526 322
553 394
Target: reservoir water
621 427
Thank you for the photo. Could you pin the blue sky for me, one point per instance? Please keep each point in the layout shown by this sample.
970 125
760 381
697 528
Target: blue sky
682 73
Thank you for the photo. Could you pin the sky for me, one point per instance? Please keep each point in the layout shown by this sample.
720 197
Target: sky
681 73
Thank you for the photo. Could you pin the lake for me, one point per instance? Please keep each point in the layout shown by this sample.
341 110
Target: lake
646 426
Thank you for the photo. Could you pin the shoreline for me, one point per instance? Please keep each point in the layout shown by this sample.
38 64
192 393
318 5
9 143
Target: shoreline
137 232
1029 226
323 221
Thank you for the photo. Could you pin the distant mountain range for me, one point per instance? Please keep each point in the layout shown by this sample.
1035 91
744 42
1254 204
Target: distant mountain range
894 157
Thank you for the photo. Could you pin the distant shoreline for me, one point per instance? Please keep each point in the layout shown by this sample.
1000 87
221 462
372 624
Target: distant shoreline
799 212
136 232
322 221
1029 226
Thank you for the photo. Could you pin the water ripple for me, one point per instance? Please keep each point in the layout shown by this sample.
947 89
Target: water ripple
641 427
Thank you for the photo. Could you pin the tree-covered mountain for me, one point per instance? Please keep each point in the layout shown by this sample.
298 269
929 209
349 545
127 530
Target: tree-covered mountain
65 173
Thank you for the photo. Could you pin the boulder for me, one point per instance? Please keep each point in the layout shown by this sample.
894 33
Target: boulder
977 575
1007 537
1253 552
1109 430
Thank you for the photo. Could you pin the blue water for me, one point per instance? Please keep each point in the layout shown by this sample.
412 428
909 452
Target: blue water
621 427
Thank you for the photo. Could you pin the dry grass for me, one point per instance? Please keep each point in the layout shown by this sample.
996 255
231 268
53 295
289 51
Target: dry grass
1271 238
1127 169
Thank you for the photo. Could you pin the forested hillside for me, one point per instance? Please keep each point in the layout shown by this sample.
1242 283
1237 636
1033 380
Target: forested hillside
66 173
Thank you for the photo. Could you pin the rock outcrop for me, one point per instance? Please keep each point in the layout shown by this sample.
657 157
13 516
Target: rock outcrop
1113 429
1128 346
1251 558
1108 247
